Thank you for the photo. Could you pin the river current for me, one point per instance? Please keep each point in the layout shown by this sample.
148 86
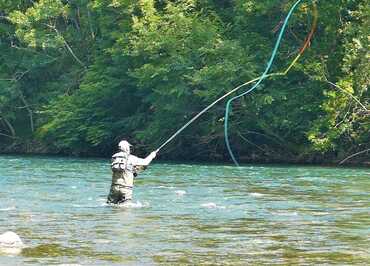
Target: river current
184 214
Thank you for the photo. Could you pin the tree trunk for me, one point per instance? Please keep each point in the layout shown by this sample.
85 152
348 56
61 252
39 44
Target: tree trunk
9 126
29 110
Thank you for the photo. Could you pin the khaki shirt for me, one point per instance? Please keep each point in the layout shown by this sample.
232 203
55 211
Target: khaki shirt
125 175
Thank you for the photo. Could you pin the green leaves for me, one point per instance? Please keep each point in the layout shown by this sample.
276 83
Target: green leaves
37 26
347 123
92 72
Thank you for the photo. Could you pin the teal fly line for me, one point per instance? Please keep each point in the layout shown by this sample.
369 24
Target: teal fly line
258 79
262 77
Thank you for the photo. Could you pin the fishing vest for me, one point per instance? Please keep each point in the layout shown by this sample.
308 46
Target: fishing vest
121 162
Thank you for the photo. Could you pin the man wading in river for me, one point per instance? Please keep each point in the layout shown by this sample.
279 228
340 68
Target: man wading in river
124 168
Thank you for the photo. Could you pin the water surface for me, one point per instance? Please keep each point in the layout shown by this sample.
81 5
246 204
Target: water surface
185 214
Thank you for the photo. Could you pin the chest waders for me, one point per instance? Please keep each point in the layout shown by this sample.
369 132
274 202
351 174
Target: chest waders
122 179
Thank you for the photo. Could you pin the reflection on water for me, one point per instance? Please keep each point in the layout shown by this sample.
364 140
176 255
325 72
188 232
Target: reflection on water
184 214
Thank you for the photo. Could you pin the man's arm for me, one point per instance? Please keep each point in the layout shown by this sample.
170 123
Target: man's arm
144 162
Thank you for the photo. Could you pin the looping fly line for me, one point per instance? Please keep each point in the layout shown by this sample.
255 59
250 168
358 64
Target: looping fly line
258 80
268 67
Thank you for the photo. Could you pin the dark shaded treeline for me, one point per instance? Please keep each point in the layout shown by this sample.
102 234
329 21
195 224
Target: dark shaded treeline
77 76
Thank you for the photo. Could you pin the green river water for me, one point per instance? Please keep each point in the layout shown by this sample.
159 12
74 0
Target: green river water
185 214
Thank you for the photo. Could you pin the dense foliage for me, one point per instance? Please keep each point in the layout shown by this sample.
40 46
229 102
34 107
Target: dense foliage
77 76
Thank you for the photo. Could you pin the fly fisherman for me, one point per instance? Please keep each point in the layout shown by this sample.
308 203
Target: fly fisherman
124 168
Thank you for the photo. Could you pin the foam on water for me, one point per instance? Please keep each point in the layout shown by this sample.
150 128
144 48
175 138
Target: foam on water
134 205
8 209
256 195
128 205
102 241
102 199
180 192
212 205
283 213
168 187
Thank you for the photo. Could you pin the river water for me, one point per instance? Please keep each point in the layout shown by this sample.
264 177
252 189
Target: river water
184 214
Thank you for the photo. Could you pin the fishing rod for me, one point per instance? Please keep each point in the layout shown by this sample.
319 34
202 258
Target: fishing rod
306 44
203 111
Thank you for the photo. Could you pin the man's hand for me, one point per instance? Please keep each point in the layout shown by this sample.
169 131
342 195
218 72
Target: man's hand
153 154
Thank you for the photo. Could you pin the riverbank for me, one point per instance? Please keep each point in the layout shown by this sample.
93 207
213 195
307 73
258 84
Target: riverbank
38 148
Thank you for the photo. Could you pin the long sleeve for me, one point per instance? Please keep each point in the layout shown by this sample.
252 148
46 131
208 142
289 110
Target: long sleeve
139 161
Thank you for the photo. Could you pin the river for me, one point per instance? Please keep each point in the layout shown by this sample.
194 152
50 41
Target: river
184 214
